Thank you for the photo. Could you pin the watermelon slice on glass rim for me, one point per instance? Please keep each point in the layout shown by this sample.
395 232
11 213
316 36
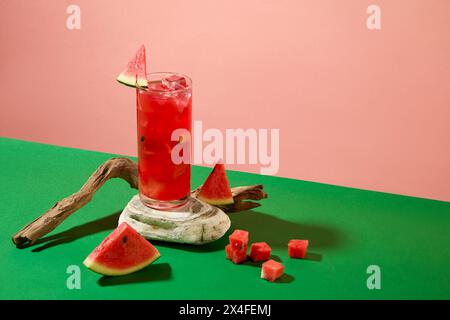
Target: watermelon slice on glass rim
135 71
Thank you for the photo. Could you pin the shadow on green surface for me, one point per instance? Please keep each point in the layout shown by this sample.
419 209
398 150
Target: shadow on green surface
262 227
277 232
86 229
285 278
313 256
274 257
154 272
217 245
258 264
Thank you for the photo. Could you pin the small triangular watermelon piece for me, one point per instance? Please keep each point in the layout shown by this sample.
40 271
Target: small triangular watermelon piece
136 70
216 189
124 251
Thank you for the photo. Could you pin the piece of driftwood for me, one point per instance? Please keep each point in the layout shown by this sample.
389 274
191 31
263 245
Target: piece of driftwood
126 169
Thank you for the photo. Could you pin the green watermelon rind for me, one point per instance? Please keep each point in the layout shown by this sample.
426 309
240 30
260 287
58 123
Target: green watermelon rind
130 80
216 201
108 271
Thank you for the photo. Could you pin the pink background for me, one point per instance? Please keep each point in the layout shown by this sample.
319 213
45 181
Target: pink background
355 107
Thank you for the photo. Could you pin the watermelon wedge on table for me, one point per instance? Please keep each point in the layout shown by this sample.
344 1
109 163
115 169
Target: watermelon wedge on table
135 71
124 251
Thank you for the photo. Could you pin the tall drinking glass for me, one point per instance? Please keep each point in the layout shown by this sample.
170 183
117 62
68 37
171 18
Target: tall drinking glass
164 107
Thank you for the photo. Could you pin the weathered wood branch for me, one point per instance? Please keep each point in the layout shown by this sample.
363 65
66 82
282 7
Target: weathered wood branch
125 169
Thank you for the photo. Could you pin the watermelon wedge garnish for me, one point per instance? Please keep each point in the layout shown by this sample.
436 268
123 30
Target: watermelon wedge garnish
136 70
124 251
216 189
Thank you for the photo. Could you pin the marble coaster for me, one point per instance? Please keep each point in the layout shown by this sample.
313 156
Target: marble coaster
196 222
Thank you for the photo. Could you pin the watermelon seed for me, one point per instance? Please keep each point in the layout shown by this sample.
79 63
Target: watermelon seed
142 139
125 239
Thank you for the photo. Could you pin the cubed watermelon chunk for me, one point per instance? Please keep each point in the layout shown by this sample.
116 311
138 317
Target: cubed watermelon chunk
271 270
259 251
239 256
239 239
229 251
236 255
297 248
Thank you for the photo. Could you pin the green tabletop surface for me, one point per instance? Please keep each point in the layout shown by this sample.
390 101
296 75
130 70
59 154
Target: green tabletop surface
348 229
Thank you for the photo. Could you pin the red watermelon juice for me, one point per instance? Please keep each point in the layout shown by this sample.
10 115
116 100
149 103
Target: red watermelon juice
164 106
